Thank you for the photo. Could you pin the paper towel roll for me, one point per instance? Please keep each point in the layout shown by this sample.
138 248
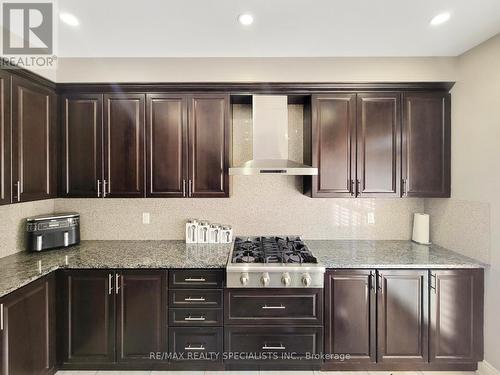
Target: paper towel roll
421 229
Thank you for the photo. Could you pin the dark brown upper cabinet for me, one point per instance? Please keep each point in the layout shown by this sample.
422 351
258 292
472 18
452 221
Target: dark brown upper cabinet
333 144
123 145
82 145
350 314
5 182
166 145
378 145
34 141
209 126
27 332
403 303
456 320
426 144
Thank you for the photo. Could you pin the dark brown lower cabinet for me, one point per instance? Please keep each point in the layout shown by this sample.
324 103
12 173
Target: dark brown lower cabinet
403 303
88 317
113 316
141 325
27 333
350 319
456 320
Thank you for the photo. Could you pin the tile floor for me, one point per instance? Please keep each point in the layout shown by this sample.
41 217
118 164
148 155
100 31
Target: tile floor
264 373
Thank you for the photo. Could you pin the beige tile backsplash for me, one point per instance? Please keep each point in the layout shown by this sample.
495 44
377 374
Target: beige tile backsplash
12 230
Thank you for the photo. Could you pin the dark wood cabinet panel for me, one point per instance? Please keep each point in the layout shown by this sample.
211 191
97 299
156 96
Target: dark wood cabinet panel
195 317
196 278
5 181
204 343
141 314
333 144
426 144
89 317
124 145
276 306
403 316
378 145
82 145
34 140
195 298
457 299
350 314
28 334
166 148
209 138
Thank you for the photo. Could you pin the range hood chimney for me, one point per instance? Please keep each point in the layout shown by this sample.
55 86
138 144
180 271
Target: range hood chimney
270 140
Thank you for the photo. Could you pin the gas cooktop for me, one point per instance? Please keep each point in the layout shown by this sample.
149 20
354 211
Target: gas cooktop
273 261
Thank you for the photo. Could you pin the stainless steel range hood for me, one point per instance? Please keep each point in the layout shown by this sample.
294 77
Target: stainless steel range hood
270 140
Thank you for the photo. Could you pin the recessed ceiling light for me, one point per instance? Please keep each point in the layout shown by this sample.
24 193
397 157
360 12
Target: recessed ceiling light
69 19
245 19
440 18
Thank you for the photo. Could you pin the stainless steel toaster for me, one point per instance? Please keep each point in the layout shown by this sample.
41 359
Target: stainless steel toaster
52 231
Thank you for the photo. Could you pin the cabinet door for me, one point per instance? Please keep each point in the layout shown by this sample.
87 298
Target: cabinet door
89 311
209 124
82 145
124 145
457 298
333 144
350 314
34 137
28 335
166 148
141 314
5 182
426 145
378 145
403 316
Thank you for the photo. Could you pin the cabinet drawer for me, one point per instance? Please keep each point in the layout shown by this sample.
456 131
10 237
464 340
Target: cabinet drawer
196 278
195 317
196 343
195 298
279 340
274 306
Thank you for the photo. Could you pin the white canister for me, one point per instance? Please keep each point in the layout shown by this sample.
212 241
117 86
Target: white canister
421 229
192 231
203 228
214 233
226 234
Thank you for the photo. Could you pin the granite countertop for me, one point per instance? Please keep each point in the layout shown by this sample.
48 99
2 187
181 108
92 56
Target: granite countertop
22 268
387 254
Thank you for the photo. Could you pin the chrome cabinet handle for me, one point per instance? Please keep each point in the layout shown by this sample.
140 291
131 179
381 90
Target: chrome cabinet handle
104 183
18 190
1 316
358 187
195 318
280 307
194 299
267 347
352 187
433 287
190 188
195 280
184 188
404 187
191 347
98 188
110 283
117 283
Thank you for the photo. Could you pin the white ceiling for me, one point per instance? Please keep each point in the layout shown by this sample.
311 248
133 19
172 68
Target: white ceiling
282 28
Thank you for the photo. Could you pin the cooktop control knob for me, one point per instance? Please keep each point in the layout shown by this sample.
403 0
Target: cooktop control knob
285 279
244 278
265 279
306 279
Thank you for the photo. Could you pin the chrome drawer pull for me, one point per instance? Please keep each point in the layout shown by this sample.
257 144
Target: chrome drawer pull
195 280
195 318
266 347
190 347
280 307
194 299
